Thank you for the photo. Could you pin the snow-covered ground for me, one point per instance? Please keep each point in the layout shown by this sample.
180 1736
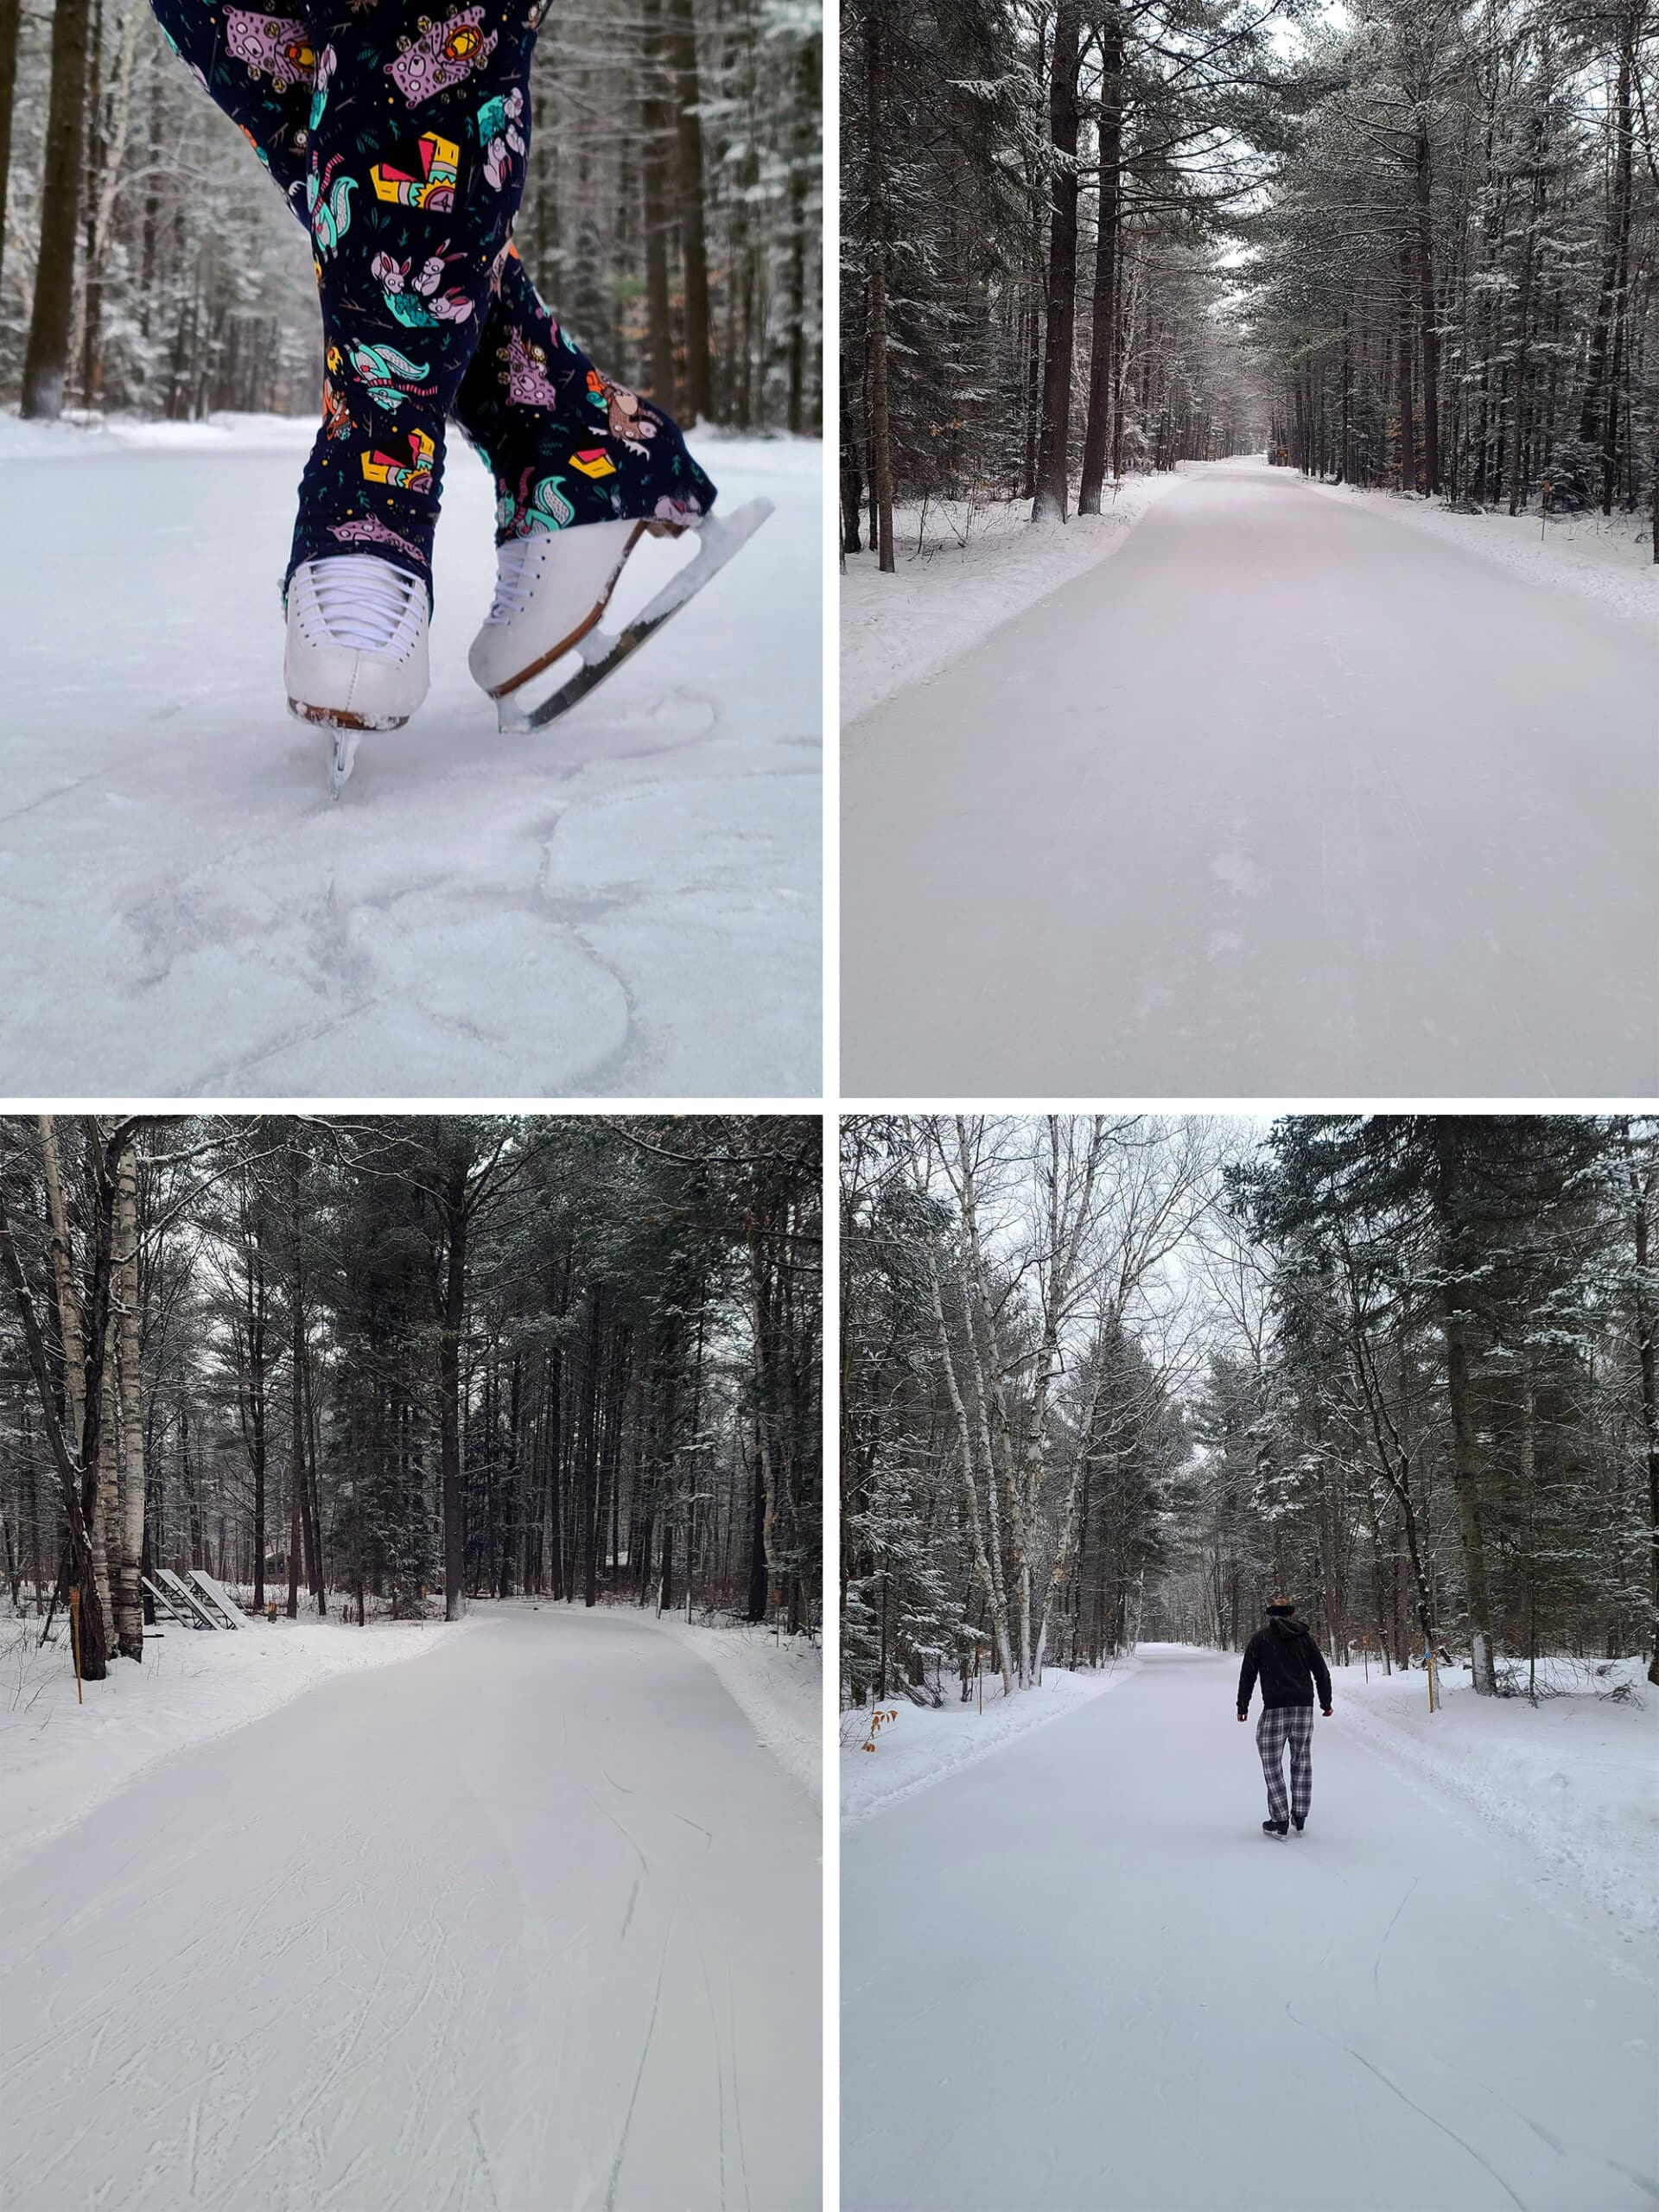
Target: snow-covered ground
962 567
1577 1775
1607 559
625 904
923 1743
777 1680
1077 1975
531 1926
61 1759
1287 798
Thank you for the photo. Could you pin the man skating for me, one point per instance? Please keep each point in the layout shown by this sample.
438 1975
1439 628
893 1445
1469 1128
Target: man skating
1287 1661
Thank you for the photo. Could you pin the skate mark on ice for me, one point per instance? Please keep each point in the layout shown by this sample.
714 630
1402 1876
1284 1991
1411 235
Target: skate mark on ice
644 2053
1450 2134
627 1917
1649 2188
1388 1931
722 2053
484 2156
645 1863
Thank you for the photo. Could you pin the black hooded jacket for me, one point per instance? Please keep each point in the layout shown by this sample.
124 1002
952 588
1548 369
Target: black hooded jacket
1287 1660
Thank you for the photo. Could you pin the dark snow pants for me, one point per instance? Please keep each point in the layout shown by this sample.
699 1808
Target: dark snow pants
1282 1727
400 142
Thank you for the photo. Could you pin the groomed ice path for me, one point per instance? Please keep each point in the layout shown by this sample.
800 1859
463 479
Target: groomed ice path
1077 1977
1287 798
528 1924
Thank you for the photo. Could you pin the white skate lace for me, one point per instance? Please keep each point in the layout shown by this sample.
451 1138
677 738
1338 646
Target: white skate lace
512 583
367 604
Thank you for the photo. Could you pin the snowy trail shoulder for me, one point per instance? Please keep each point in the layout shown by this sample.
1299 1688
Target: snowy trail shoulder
923 1744
977 566
61 1760
1575 1777
1609 561
776 1681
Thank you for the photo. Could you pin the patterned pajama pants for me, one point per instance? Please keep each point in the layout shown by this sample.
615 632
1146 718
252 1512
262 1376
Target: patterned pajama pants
400 141
1280 1728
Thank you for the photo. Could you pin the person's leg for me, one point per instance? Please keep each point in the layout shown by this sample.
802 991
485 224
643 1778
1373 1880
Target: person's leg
411 191
564 444
259 70
1270 1743
1301 1762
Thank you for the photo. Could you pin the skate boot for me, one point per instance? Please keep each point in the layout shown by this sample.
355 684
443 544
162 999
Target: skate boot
356 657
550 589
1298 1821
1275 1828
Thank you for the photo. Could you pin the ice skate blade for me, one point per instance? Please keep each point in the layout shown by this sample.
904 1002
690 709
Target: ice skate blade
344 760
602 653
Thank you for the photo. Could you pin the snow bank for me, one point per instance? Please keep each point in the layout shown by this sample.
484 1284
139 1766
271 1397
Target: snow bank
969 568
776 1681
922 1746
60 1760
1610 561
84 436
1576 1776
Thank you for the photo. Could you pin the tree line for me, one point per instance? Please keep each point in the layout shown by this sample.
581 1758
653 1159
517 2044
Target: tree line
1108 1378
1453 286
1032 200
383 1358
673 215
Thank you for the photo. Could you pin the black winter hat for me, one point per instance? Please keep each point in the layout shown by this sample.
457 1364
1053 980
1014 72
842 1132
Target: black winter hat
1281 1612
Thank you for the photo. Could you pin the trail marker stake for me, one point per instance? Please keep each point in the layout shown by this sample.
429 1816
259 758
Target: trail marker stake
75 1637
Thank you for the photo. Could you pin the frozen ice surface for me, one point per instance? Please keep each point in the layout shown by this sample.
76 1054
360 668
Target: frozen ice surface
626 904
530 1924
1287 798
1077 1975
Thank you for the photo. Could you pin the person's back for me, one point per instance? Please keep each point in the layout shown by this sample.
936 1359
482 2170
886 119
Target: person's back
1283 1657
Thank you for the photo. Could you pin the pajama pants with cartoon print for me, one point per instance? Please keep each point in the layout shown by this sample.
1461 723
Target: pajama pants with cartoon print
400 142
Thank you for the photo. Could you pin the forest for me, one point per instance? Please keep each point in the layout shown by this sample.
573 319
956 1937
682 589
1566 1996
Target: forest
673 215
399 1364
1413 245
1106 1377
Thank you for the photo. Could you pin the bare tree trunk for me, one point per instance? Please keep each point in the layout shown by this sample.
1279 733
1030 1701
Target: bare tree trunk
11 17
876 221
46 363
1424 187
1465 1449
1053 445
1097 429
130 1589
653 175
1641 1194
683 42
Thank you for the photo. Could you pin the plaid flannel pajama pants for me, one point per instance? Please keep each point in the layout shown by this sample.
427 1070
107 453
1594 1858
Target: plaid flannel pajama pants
1280 1727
